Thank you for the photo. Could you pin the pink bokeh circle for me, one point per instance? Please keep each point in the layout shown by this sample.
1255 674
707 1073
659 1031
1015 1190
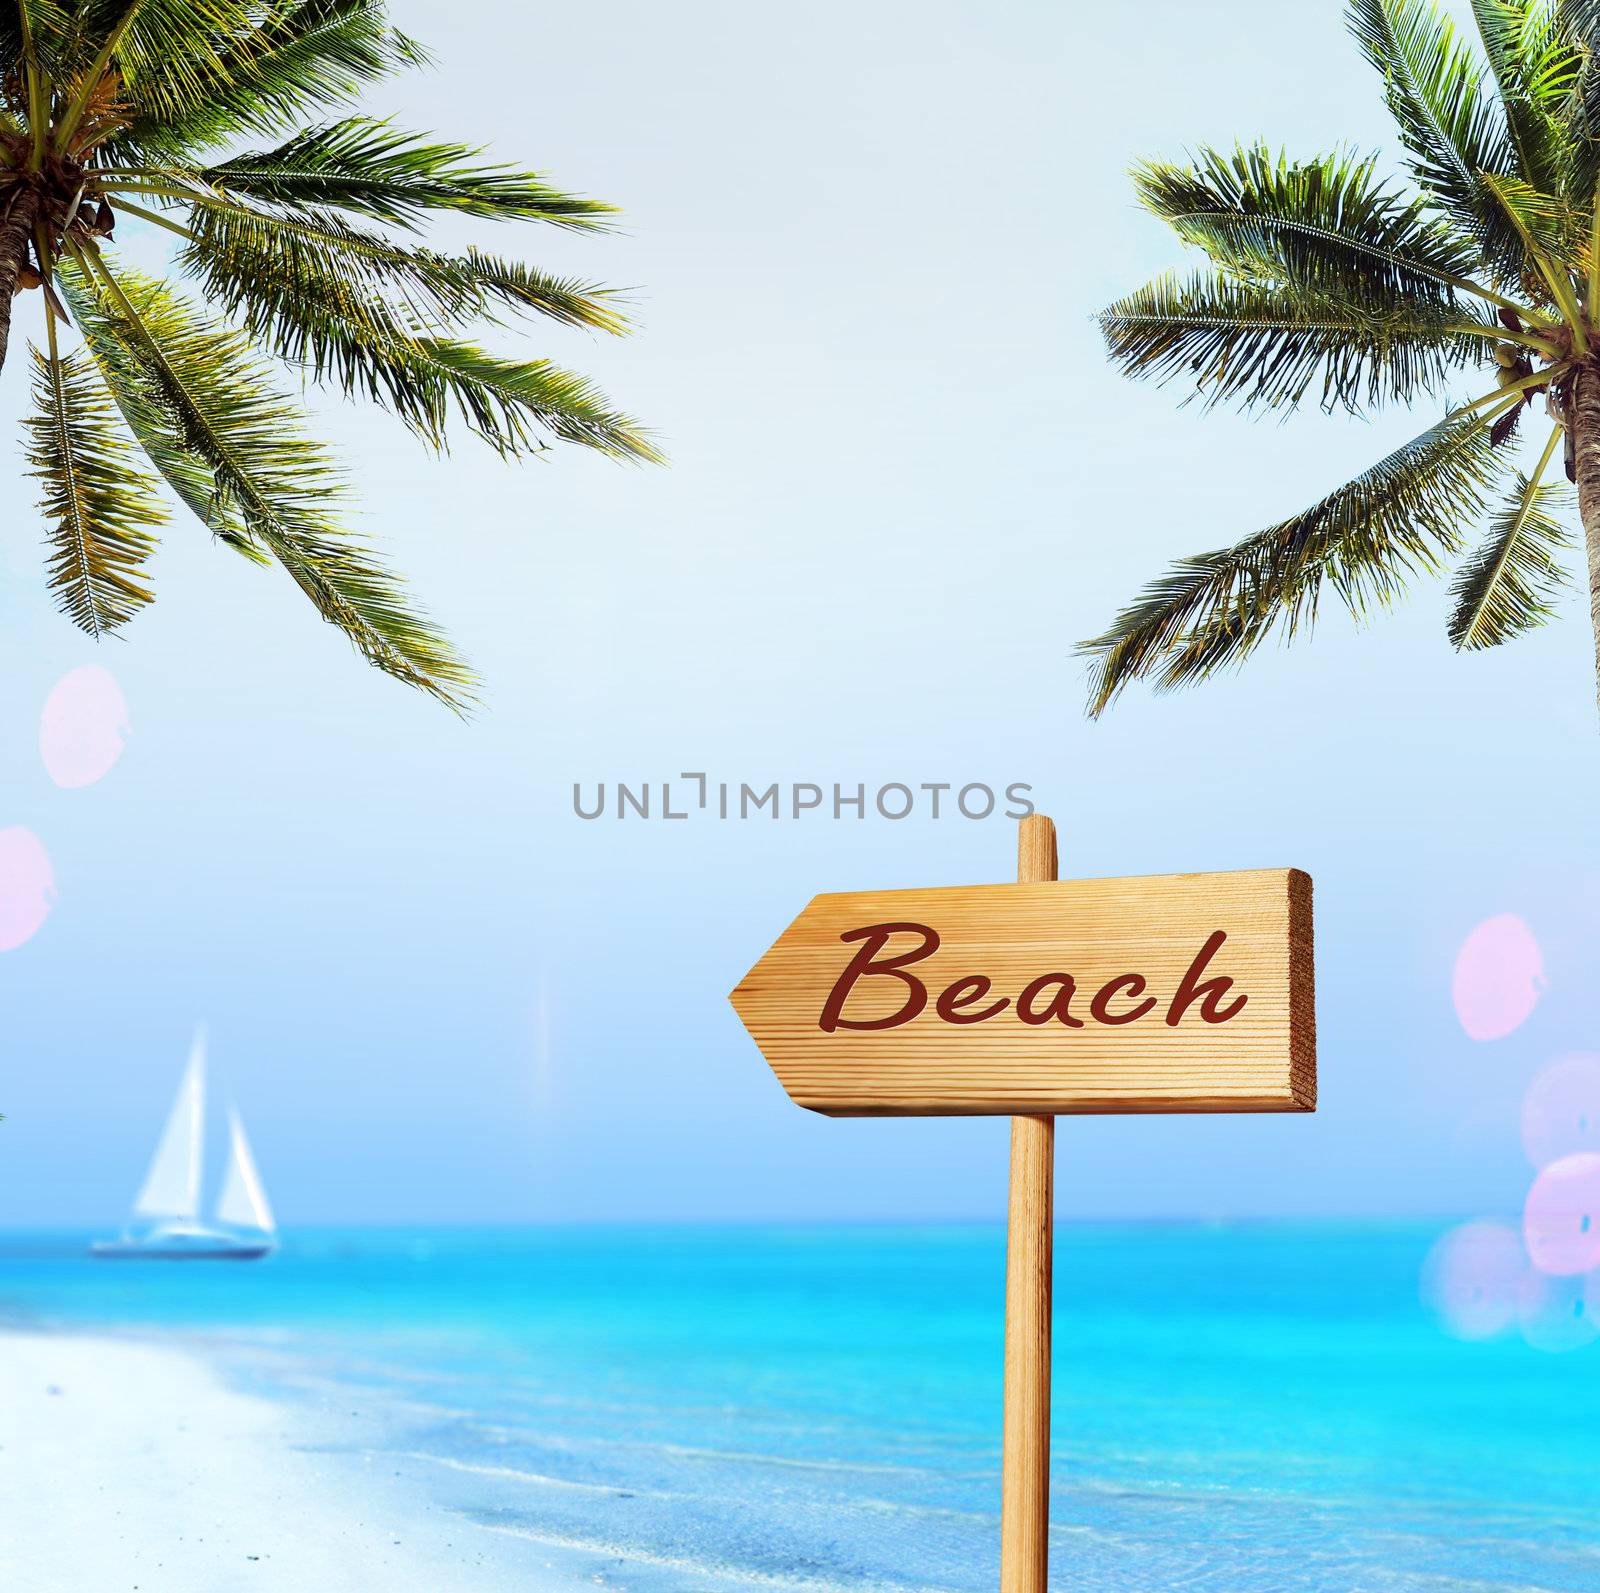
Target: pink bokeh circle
1561 1219
1472 1279
1557 1314
83 726
27 886
1561 1111
1499 977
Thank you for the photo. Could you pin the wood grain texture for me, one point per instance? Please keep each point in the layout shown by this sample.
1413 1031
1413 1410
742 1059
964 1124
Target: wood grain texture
1038 862
1262 1060
1025 1450
1025 1444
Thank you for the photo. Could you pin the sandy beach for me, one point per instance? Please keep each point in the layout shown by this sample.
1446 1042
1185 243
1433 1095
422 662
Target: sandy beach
132 1468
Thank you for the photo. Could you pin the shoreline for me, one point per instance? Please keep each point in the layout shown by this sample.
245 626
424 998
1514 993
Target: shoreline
724 1412
129 1466
134 1464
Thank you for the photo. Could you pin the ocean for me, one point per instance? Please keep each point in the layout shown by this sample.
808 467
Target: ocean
816 1409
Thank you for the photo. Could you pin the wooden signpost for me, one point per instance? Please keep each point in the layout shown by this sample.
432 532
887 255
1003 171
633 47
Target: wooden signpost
1172 993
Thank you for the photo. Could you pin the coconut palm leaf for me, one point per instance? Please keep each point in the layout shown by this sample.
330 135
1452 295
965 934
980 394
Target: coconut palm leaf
1365 540
269 65
36 31
1266 345
1535 69
570 300
153 44
1454 128
244 255
1328 224
148 415
1511 581
1551 236
499 397
233 245
1578 26
272 486
373 169
307 310
100 509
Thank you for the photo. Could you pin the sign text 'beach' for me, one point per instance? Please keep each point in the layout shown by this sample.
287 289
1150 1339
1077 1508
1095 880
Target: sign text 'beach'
1166 993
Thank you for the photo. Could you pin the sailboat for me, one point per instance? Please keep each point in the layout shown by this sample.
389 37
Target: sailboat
166 1222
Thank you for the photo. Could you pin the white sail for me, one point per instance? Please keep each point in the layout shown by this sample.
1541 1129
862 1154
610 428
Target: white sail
243 1202
172 1186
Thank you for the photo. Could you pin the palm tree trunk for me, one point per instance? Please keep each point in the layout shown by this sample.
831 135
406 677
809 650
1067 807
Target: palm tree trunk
1584 418
15 230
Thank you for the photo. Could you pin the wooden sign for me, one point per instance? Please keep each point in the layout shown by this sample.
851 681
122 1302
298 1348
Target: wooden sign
1169 993
1173 993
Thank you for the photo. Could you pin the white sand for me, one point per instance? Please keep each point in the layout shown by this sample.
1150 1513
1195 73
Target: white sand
127 1466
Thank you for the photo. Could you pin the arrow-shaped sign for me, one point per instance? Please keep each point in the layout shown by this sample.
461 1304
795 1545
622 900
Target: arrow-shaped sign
1168 993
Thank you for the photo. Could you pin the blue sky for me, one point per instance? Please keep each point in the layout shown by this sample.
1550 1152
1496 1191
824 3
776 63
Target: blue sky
869 240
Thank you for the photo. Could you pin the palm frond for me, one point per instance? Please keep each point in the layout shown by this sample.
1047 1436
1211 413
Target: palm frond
1535 69
371 168
570 300
150 418
234 245
45 31
499 397
1552 237
101 509
241 252
166 54
204 391
1365 540
1453 127
1510 583
286 59
364 316
1329 224
1269 345
36 42
1578 29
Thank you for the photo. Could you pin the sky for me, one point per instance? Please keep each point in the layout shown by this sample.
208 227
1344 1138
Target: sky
866 243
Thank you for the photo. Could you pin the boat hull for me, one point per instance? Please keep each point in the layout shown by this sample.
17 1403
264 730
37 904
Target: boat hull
188 1246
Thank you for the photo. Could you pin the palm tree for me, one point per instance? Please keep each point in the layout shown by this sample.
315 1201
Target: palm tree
306 251
1324 279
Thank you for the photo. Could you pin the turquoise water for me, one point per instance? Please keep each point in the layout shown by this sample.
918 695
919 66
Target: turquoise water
1237 1408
